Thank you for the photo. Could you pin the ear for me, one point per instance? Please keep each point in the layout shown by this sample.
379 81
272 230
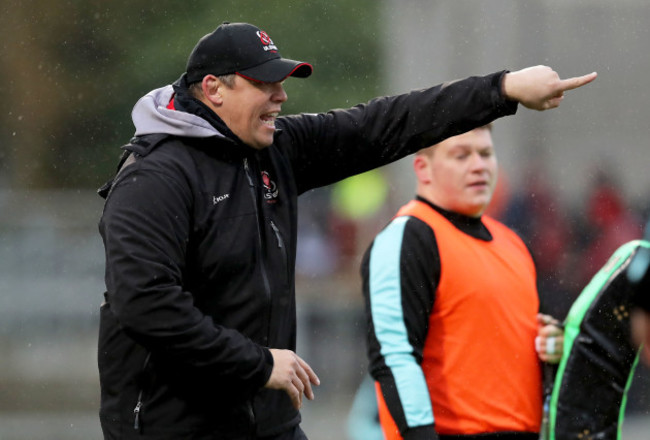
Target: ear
421 168
212 87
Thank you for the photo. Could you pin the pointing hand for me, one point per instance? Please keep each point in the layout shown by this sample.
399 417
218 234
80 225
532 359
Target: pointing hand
540 87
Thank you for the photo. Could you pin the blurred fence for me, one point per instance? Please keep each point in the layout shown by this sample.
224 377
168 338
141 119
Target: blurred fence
51 281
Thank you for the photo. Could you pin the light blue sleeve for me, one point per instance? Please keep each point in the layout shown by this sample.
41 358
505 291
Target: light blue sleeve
390 329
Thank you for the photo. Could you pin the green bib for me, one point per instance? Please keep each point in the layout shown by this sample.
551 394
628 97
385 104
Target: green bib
590 389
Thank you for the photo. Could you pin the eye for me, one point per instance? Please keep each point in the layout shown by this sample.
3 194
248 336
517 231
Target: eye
486 153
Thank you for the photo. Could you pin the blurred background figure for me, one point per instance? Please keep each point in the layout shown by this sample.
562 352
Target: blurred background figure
317 253
536 214
363 420
358 209
608 222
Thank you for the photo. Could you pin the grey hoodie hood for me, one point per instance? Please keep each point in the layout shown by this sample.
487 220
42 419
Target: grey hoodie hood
151 115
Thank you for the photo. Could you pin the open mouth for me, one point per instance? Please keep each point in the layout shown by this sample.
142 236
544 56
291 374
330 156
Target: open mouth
268 119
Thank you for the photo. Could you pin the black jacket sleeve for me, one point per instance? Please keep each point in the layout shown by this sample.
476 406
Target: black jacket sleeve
328 147
401 271
146 228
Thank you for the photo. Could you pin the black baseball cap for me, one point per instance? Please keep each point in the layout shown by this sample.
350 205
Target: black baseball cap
243 49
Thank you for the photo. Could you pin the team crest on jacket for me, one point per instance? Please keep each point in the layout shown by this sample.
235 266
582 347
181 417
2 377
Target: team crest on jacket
270 188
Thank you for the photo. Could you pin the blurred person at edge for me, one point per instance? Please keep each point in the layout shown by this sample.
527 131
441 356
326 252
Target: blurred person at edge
638 275
198 328
455 336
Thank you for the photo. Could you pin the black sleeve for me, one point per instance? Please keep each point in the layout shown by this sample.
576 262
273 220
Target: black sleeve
145 228
327 147
401 271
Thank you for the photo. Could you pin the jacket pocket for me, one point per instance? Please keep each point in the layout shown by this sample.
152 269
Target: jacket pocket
137 409
120 361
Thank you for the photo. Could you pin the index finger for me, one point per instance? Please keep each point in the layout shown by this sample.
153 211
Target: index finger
312 376
578 81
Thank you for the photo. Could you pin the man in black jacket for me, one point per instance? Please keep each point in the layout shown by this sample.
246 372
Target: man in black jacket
198 330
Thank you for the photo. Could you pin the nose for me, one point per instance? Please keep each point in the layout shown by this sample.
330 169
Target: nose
279 95
478 163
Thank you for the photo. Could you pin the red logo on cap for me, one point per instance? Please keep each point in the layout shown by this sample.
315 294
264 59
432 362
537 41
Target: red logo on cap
264 37
266 41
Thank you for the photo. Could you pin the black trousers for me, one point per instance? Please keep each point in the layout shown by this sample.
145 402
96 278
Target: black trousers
293 434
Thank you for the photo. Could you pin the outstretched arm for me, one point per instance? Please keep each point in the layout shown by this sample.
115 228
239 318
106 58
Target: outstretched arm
540 87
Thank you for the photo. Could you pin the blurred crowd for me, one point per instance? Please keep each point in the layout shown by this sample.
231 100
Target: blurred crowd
571 243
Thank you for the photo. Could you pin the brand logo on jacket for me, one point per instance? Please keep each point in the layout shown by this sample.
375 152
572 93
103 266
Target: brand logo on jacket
270 188
219 199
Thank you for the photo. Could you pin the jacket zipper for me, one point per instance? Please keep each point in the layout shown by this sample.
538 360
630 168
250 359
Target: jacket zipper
265 277
251 414
138 405
277 236
281 245
136 412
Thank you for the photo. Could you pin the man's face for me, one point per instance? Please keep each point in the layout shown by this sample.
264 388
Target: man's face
460 174
249 109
